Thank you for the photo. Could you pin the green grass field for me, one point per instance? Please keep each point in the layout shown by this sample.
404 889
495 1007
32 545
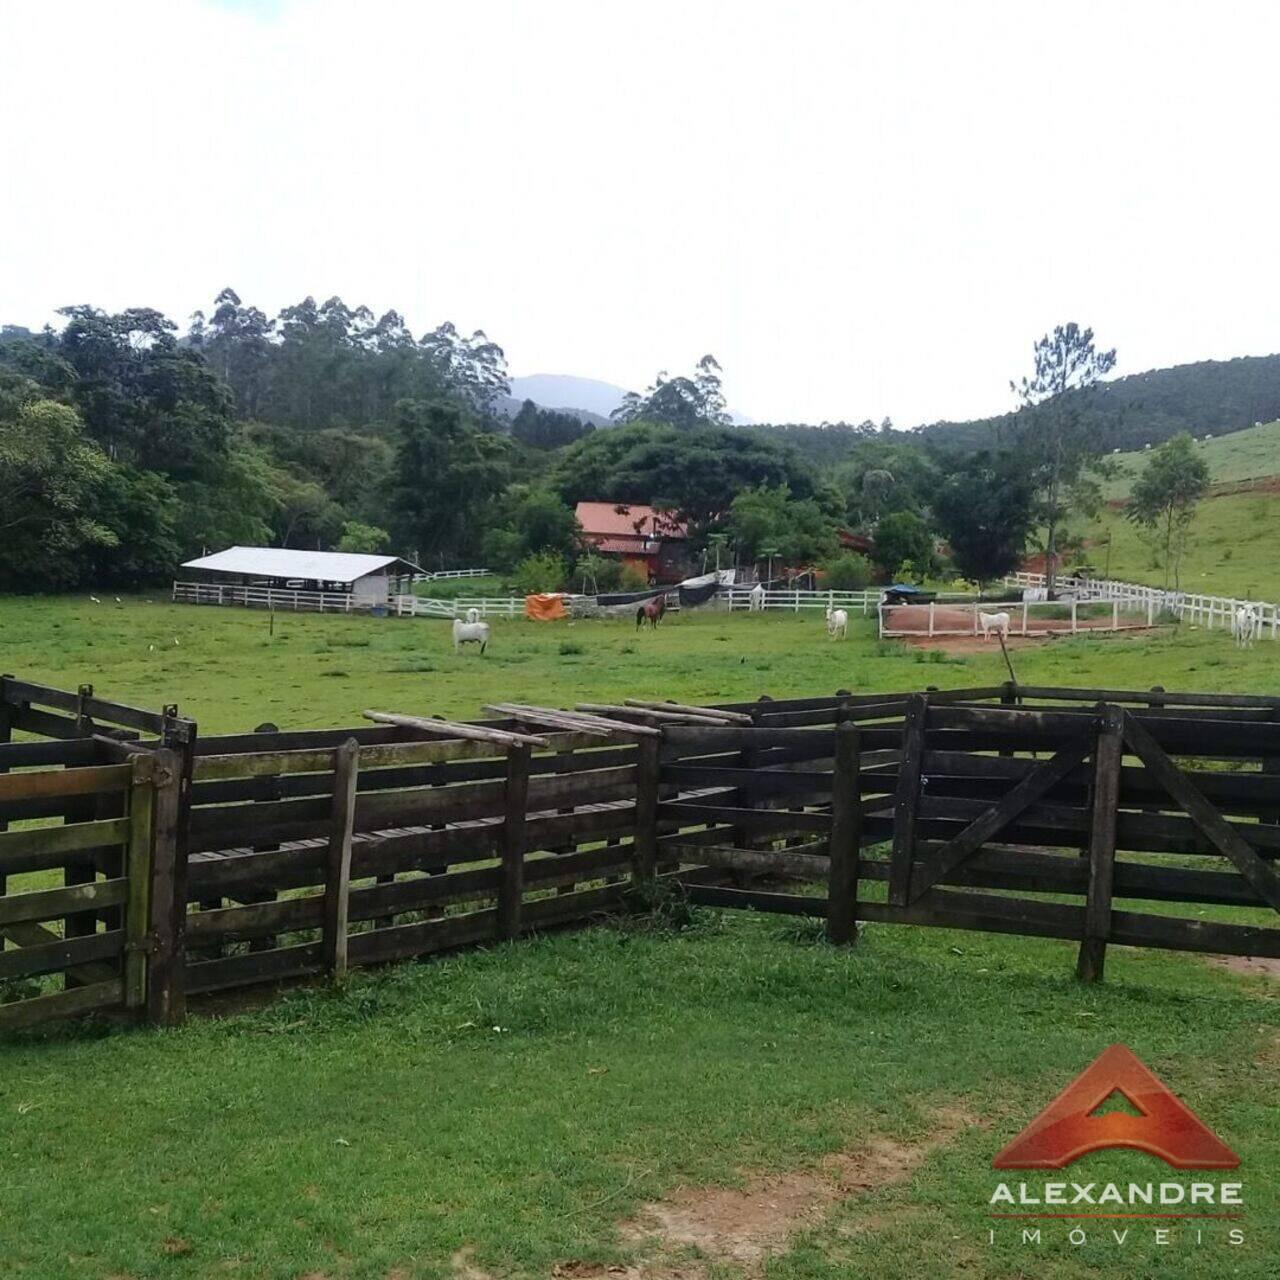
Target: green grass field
1242 455
499 1113
1234 540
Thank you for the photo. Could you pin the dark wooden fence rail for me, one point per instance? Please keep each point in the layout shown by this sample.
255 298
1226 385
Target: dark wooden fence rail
192 865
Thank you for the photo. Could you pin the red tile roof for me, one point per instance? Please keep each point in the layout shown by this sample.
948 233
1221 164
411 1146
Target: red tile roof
629 520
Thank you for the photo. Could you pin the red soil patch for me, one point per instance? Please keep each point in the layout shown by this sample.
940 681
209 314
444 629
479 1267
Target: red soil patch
914 618
744 1226
1252 966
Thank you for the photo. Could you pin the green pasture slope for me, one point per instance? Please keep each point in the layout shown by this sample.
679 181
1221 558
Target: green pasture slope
518 1102
1236 540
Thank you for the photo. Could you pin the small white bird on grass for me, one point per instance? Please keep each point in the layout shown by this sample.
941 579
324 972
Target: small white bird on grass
95 599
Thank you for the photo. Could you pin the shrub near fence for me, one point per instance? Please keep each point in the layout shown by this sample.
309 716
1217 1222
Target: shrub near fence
193 865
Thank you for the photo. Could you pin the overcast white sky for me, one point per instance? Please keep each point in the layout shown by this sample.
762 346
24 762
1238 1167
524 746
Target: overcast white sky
861 209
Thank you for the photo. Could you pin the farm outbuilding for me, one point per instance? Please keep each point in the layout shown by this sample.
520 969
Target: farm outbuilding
285 578
653 541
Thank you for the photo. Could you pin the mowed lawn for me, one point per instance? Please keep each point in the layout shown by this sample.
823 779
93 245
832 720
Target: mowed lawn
500 1112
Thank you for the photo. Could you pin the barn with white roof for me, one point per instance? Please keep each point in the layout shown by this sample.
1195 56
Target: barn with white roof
280 577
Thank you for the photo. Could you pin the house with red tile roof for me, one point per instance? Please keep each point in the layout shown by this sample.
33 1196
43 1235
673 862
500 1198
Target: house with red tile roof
652 541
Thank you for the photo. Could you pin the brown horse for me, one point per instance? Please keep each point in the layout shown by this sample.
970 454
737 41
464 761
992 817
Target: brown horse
651 611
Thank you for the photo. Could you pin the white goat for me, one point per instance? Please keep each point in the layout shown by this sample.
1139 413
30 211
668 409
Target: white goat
470 633
837 623
1246 625
998 622
756 600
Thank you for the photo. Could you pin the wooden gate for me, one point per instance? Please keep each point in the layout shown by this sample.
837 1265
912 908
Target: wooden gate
975 806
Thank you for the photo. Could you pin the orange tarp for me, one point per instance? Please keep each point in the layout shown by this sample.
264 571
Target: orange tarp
544 608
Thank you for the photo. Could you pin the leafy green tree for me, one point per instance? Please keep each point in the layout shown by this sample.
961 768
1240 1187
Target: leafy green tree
679 402
1057 431
902 537
1164 500
50 476
543 571
365 539
847 571
697 471
447 471
798 529
547 428
985 511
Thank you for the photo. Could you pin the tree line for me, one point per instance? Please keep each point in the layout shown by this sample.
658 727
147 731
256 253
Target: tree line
127 445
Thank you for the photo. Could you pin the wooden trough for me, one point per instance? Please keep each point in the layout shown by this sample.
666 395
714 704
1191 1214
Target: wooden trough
193 865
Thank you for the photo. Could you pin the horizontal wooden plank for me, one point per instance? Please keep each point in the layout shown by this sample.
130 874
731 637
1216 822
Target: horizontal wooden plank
952 909
62 1004
89 780
252 920
95 708
33 849
787 904
776 862
1138 929
1165 697
64 953
402 942
760 782
773 820
275 965
69 753
46 904
292 786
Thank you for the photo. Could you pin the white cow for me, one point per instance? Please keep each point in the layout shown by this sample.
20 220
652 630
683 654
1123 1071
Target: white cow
470 633
837 623
1246 625
989 622
755 603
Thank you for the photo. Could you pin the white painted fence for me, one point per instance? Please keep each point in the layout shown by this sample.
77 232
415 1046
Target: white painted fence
1026 617
443 575
271 598
1188 606
793 601
489 606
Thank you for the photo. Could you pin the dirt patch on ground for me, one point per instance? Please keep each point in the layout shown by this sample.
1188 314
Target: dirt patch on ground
743 1226
1253 966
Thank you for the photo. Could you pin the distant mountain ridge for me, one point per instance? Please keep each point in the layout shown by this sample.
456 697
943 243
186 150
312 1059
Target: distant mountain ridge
568 394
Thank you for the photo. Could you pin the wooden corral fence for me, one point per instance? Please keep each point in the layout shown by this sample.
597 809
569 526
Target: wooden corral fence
143 864
794 601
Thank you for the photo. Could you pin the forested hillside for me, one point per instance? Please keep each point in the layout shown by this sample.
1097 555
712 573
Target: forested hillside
128 444
1148 408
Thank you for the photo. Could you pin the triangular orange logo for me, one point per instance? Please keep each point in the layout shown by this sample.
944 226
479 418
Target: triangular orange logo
1066 1129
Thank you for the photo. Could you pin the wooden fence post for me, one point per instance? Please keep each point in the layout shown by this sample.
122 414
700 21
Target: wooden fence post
1108 752
166 986
907 799
511 882
846 837
137 866
337 885
644 860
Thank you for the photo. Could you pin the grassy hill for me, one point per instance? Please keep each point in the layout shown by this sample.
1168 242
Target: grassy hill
1237 529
